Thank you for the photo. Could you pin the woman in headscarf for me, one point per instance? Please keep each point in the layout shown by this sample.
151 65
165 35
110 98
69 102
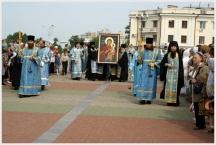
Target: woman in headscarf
200 69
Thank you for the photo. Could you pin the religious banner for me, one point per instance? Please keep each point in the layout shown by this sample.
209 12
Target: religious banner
108 48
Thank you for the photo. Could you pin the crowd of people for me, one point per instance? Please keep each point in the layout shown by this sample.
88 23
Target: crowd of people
185 72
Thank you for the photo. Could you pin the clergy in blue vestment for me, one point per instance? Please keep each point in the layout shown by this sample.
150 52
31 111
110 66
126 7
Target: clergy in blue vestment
172 73
76 57
147 85
30 81
130 53
45 55
135 69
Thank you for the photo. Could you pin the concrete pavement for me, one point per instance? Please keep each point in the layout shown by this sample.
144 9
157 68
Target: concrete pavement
71 111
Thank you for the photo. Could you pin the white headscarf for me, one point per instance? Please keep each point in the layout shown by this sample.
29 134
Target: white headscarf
185 60
195 49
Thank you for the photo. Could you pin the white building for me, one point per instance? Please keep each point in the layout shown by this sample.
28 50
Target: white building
88 36
122 37
188 26
105 31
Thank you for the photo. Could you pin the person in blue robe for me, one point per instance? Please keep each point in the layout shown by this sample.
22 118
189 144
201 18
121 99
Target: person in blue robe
135 69
30 81
147 84
45 55
76 57
172 73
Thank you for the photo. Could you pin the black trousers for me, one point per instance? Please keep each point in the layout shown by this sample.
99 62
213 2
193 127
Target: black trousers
51 67
64 67
200 120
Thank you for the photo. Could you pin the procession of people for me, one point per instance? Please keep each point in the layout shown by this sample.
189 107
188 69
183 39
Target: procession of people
185 72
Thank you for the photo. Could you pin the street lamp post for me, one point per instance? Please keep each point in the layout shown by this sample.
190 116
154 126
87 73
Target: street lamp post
50 30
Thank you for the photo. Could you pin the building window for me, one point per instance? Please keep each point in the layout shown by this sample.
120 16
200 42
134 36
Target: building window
184 24
155 38
143 24
202 24
183 39
155 23
201 39
143 37
170 38
171 23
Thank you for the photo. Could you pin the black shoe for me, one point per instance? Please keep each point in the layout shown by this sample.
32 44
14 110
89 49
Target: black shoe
42 87
142 101
16 88
134 95
148 102
20 96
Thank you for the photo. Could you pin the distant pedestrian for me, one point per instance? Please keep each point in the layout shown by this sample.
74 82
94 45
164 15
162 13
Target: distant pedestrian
64 59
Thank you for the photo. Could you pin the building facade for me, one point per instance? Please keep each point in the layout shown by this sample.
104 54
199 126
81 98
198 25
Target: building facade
88 36
188 26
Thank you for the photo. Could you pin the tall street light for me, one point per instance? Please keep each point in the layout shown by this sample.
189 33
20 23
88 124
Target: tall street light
50 30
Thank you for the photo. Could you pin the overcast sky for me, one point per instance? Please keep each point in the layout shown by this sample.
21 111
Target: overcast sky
73 18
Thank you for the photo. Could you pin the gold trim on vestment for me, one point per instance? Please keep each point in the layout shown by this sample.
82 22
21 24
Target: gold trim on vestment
144 91
30 86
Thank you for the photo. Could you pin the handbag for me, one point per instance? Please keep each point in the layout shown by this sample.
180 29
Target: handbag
202 109
197 87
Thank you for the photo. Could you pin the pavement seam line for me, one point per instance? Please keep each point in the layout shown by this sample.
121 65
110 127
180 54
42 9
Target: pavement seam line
53 132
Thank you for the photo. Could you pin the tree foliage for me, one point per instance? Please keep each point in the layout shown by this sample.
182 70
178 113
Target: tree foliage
55 41
127 33
96 40
38 40
12 38
75 38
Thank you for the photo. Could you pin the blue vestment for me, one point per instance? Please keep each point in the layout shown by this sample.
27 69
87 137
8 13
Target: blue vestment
30 81
136 70
172 80
76 57
45 55
148 77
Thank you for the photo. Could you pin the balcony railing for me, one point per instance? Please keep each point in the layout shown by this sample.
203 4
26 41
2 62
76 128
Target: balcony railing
149 30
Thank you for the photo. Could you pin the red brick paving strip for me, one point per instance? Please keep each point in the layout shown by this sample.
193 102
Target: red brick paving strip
118 88
73 86
124 88
19 127
98 129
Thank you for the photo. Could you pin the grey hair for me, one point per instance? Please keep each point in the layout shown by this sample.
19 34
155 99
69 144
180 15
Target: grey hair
200 55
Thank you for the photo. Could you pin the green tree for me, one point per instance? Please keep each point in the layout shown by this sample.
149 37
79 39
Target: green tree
96 40
127 34
14 38
55 42
73 39
38 40
60 49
